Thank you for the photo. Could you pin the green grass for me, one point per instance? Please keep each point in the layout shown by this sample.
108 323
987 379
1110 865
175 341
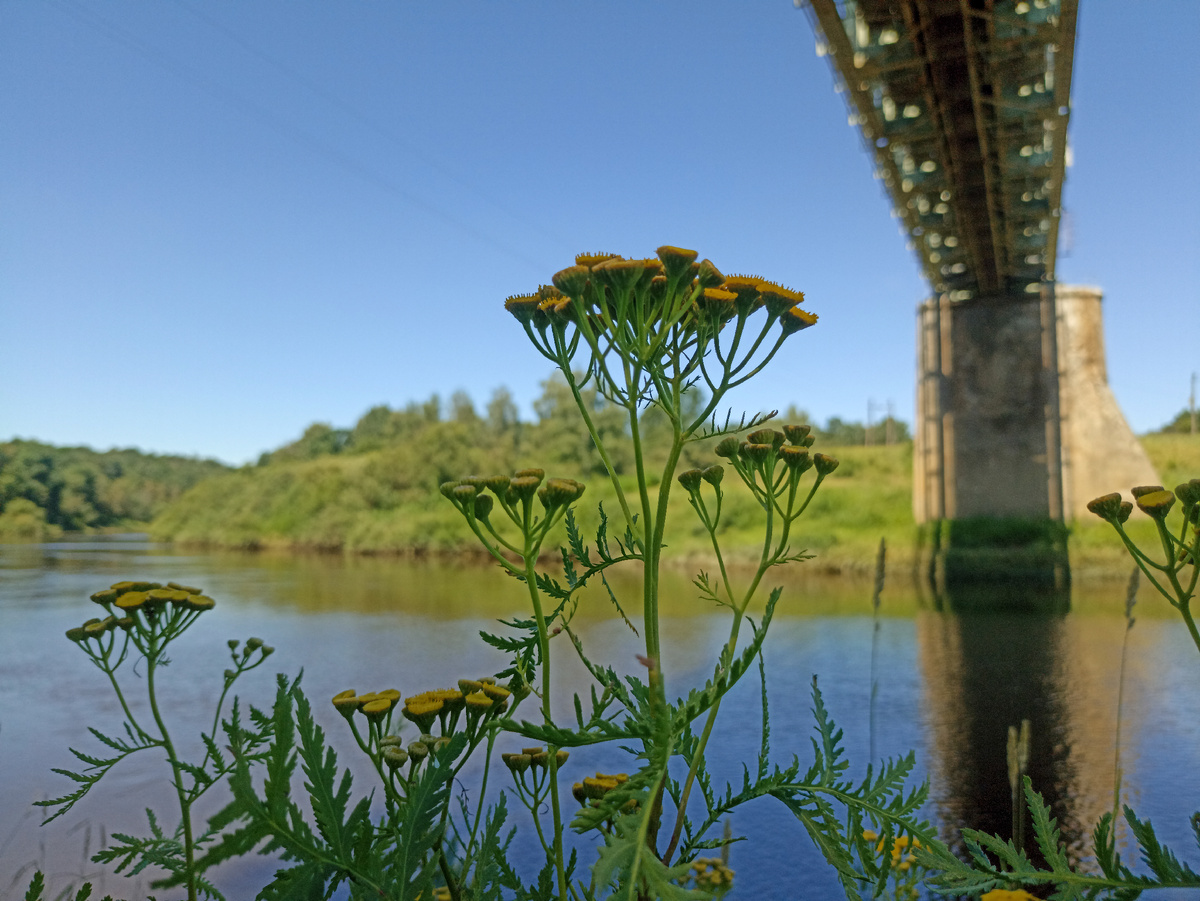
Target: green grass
387 502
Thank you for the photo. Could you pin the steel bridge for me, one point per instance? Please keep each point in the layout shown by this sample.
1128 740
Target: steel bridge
963 106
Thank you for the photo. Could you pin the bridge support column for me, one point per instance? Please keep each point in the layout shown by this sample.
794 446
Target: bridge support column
987 457
1017 430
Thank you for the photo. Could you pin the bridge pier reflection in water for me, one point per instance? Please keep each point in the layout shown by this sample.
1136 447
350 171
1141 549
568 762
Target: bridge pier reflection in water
990 662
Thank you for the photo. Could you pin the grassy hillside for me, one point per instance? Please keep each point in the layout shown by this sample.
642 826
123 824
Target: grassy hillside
386 501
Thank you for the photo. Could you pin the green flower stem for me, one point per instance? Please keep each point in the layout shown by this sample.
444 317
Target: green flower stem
112 678
600 448
726 654
473 832
531 552
185 808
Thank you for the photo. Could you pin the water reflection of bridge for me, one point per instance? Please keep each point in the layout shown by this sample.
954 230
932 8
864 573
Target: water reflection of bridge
963 106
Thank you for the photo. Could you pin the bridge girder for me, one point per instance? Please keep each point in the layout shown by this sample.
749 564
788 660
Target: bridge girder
964 106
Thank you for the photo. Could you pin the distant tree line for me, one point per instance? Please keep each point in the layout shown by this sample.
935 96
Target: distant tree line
391 459
46 489
1183 424
557 433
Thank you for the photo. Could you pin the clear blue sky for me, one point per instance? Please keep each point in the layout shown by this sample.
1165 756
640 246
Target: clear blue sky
222 221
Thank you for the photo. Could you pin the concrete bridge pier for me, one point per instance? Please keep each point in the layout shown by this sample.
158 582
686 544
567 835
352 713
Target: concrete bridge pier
1016 430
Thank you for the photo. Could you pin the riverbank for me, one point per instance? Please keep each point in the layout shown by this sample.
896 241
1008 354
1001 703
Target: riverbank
369 504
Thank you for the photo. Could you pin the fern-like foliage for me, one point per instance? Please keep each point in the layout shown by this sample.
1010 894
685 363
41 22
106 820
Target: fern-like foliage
97 767
332 839
836 811
995 863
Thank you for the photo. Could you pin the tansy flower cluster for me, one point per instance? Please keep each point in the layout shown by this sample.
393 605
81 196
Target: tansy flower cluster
710 874
771 463
474 702
1180 546
903 863
476 497
661 311
593 788
141 605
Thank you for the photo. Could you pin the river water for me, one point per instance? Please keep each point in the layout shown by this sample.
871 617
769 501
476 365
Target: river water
946 685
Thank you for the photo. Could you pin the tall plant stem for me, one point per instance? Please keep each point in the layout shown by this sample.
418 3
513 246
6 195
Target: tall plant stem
739 611
531 551
600 449
185 809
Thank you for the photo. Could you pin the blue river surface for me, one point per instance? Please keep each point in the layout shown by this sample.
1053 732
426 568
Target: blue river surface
913 677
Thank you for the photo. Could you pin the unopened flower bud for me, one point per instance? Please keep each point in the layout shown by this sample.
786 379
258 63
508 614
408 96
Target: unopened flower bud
267 651
560 756
418 750
621 276
825 464
1188 492
254 643
560 492
767 436
105 597
522 488
518 763
497 484
572 280
483 506
710 276
233 644
713 474
1123 513
394 757
94 628
718 302
796 433
795 458
677 262
690 480
756 453
728 447
447 488
77 634
1105 506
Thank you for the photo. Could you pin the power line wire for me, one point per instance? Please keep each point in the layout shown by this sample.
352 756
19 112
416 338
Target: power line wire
275 123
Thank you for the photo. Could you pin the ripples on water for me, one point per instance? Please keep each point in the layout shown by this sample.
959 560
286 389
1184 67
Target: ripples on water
947 686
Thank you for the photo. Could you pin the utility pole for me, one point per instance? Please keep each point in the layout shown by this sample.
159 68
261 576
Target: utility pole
1192 403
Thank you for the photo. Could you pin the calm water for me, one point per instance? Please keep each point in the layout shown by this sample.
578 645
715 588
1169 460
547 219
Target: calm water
948 687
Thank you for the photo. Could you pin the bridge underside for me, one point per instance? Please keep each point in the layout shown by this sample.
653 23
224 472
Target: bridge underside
963 106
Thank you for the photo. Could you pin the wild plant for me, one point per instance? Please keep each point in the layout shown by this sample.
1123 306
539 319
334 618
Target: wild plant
143 620
643 333
996 864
